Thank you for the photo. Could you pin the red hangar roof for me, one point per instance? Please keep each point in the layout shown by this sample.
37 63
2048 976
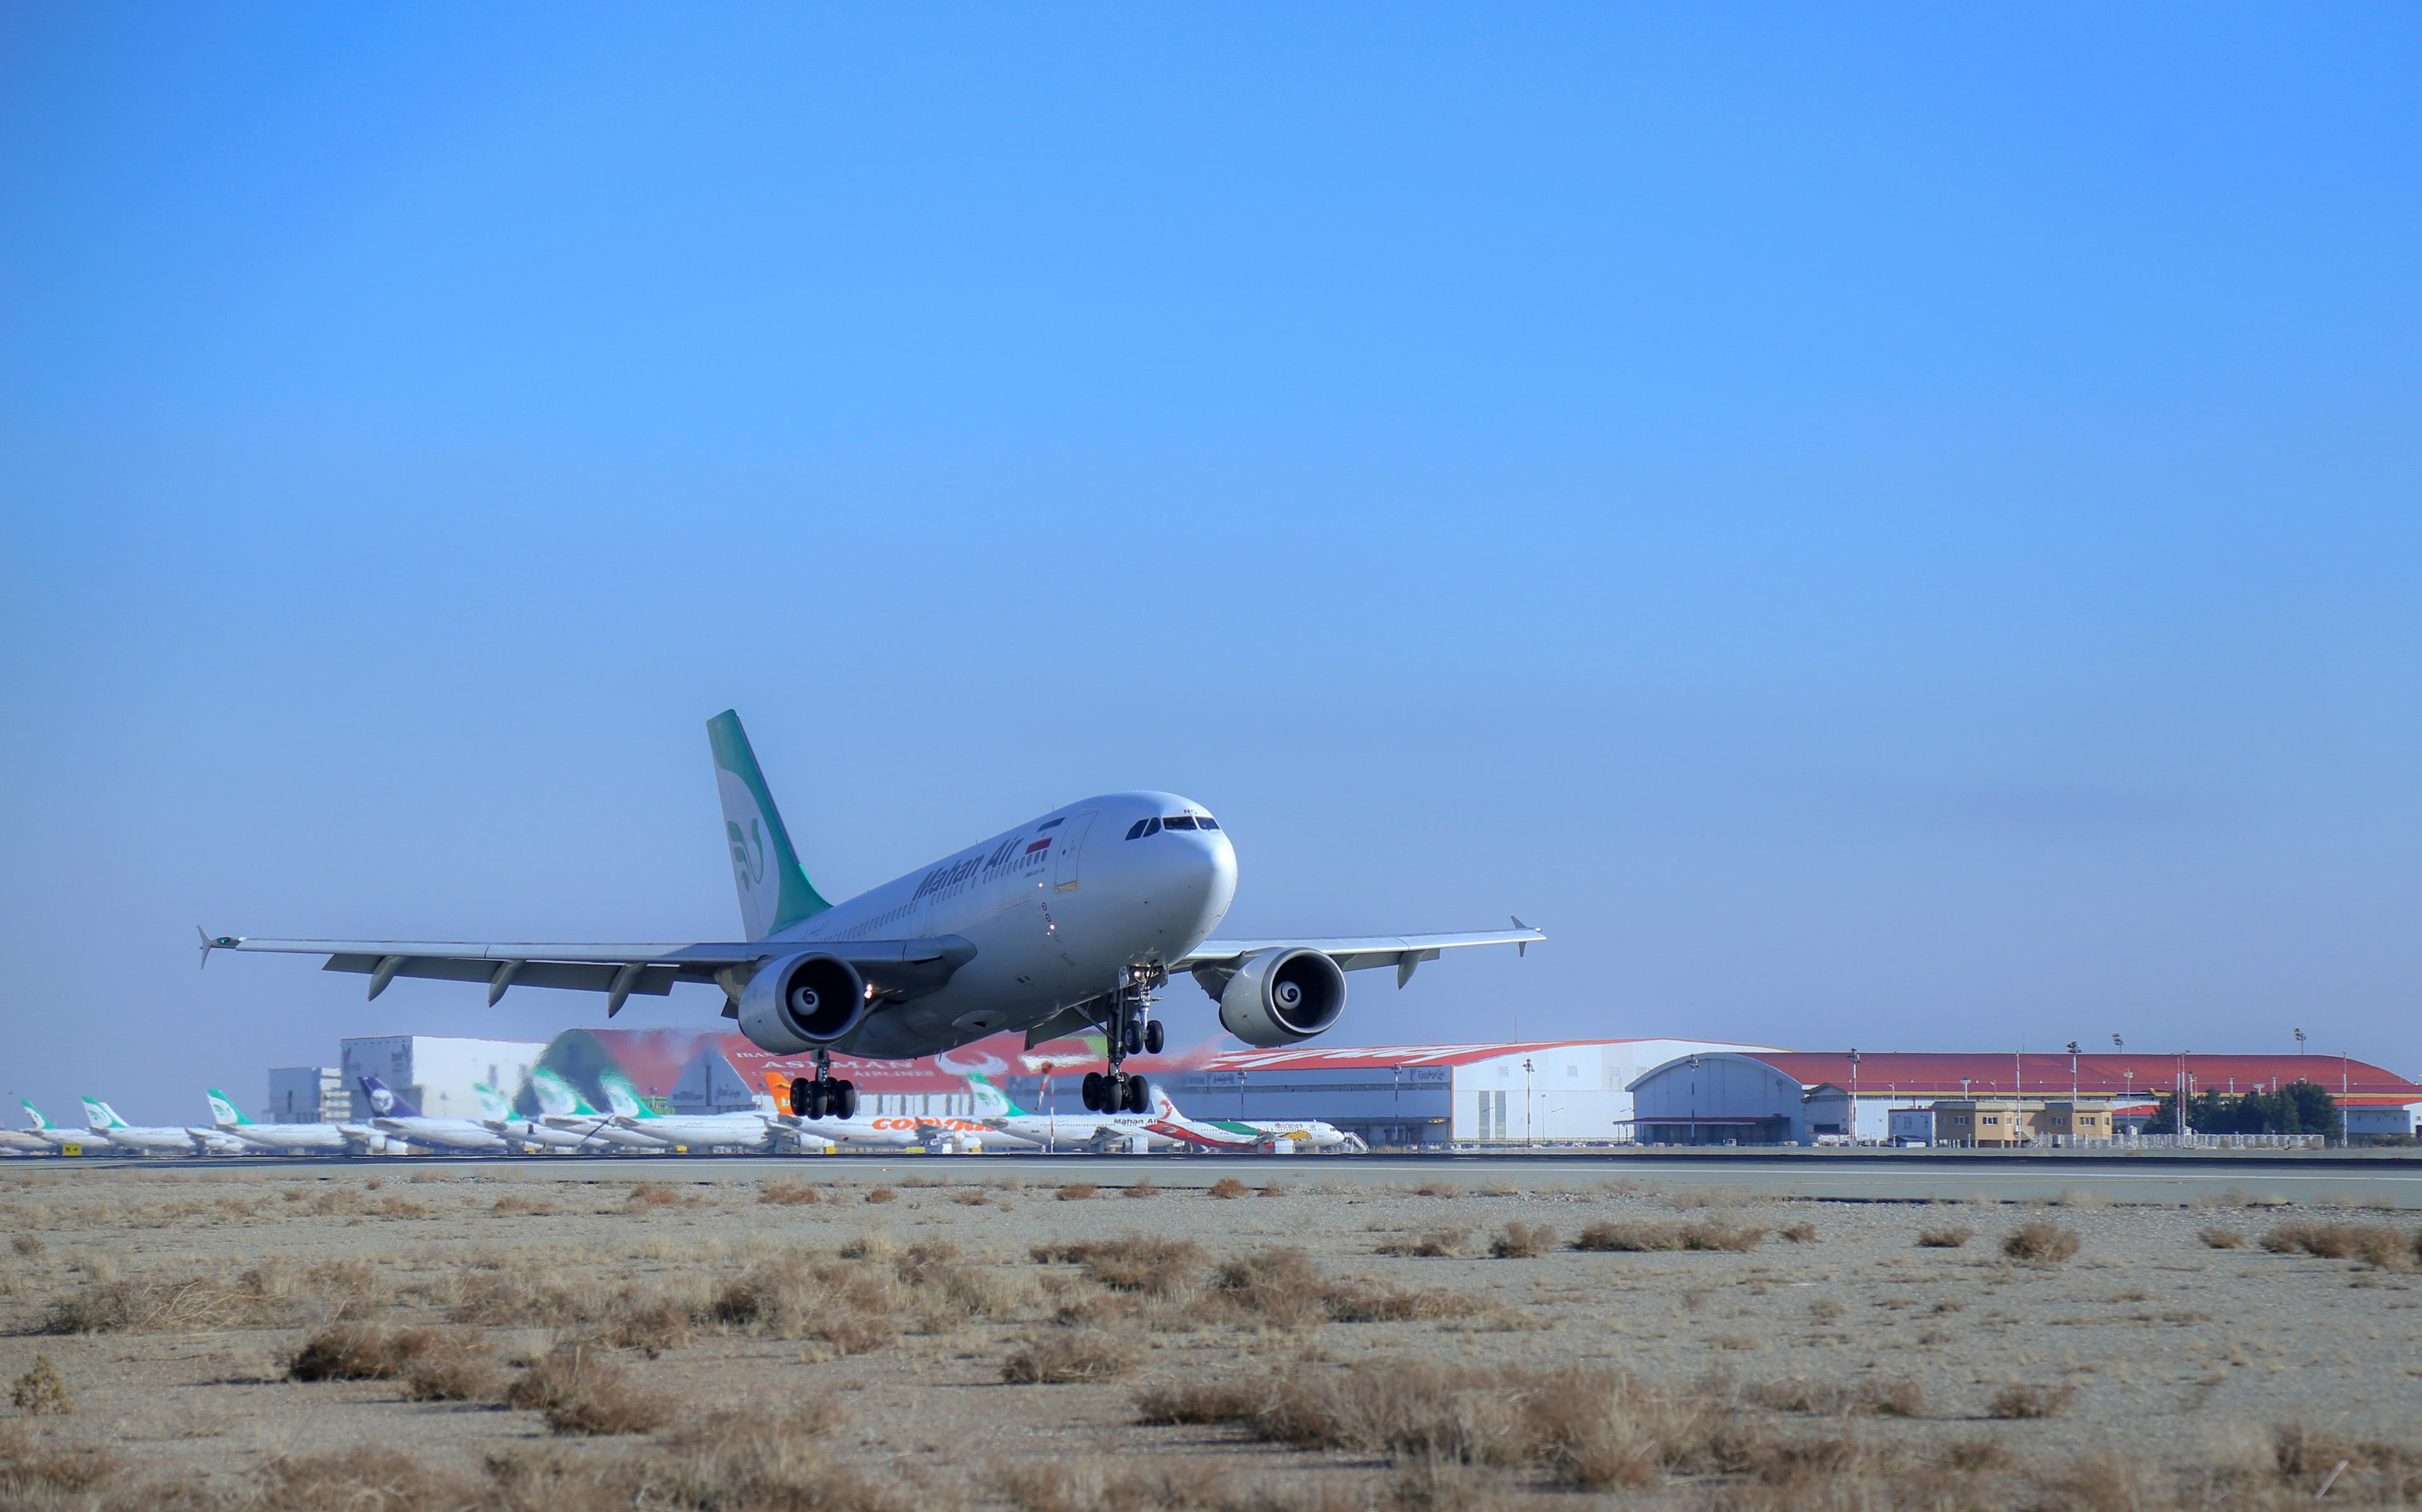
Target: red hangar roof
1385 1057
1901 1074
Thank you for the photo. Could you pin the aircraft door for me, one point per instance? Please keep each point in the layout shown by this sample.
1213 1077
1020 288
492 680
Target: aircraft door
1069 851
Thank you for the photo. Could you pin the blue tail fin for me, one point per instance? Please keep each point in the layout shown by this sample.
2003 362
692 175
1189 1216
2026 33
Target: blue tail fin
385 1102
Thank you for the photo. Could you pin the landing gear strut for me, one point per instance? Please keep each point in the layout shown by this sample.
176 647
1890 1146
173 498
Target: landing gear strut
1131 1031
824 1097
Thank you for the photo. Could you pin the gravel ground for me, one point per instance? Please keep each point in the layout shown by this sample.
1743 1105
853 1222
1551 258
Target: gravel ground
2172 1351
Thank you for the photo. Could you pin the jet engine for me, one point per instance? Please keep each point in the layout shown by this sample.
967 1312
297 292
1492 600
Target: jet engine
799 1001
1281 996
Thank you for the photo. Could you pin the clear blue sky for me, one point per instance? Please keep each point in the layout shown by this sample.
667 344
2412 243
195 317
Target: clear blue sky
1879 526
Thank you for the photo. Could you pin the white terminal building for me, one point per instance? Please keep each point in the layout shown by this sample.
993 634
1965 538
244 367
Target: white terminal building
436 1074
1557 1091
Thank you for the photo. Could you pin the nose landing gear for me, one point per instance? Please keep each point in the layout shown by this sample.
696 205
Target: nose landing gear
1132 1031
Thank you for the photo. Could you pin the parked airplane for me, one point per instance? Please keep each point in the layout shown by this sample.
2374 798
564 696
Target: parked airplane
565 1110
496 1113
1248 1134
892 1130
697 1131
350 1139
1071 921
159 1139
395 1116
51 1133
1078 1129
25 1141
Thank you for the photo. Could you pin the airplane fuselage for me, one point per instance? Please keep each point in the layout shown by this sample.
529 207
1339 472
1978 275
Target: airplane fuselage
1058 909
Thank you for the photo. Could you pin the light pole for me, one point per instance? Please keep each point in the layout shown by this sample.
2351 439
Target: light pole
2300 1041
1854 1130
2073 1091
1530 1130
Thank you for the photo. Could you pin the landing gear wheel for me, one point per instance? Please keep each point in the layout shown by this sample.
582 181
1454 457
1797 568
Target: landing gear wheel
1094 1092
1137 1095
802 1095
1154 1037
844 1099
1134 1038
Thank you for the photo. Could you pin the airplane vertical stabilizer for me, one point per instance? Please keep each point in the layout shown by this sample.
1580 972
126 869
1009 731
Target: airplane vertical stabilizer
774 893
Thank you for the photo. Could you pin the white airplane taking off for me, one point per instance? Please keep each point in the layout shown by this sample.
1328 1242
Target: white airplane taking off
1069 922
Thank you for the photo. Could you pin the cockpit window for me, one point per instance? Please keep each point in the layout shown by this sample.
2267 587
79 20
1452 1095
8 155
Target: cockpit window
1207 821
1135 831
1049 824
1178 821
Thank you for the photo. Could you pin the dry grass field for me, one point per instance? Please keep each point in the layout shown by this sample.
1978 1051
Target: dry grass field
562 1337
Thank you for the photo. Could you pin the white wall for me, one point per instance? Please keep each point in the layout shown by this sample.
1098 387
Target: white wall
1574 1092
441 1070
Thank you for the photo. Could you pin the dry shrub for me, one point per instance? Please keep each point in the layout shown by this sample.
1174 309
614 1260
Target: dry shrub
946 1289
1066 1355
2375 1244
436 1366
1077 1191
1179 1484
1800 1233
2030 1401
1699 1233
1142 1188
2040 1243
973 1199
1227 1186
2363 1470
1944 1239
266 1295
790 1297
882 1195
514 1203
1157 1267
28 1246
1835 1399
651 1197
1522 1241
2223 1238
365 1479
789 1192
870 1244
633 1315
37 1472
1281 1286
1437 1243
582 1390
1271 1189
41 1391
1591 1429
1442 1189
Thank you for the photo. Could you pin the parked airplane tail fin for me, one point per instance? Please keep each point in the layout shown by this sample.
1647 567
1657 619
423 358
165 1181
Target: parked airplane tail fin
35 1113
100 1115
492 1105
385 1102
622 1096
775 892
990 1101
224 1113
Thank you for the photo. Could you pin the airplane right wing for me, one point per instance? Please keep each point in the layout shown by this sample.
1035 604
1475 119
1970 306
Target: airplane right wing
1214 961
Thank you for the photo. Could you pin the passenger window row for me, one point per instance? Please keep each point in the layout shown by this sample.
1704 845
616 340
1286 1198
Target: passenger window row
1175 821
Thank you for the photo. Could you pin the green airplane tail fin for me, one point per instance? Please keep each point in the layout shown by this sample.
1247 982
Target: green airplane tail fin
623 1097
774 894
224 1111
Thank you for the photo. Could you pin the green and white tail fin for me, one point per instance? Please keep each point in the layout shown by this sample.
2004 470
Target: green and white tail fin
100 1115
623 1097
774 893
990 1101
224 1113
492 1105
35 1113
556 1097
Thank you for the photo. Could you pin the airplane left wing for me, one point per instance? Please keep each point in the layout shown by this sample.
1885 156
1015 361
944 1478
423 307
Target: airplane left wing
1216 961
903 968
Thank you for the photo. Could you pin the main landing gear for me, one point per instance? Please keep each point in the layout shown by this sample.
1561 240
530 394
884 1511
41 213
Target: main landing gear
1131 1032
824 1097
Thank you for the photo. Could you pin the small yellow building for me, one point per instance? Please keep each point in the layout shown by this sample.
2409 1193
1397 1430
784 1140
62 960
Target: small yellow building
1991 1123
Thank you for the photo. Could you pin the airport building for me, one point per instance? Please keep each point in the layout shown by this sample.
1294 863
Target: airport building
307 1095
1557 1091
1798 1098
436 1074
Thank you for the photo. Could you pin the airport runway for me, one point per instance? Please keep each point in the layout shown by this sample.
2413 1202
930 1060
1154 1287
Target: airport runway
1878 1176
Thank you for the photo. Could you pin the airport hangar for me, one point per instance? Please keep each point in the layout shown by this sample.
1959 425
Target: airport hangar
1792 1098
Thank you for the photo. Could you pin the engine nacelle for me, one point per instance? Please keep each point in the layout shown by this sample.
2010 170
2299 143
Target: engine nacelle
1281 996
800 1002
